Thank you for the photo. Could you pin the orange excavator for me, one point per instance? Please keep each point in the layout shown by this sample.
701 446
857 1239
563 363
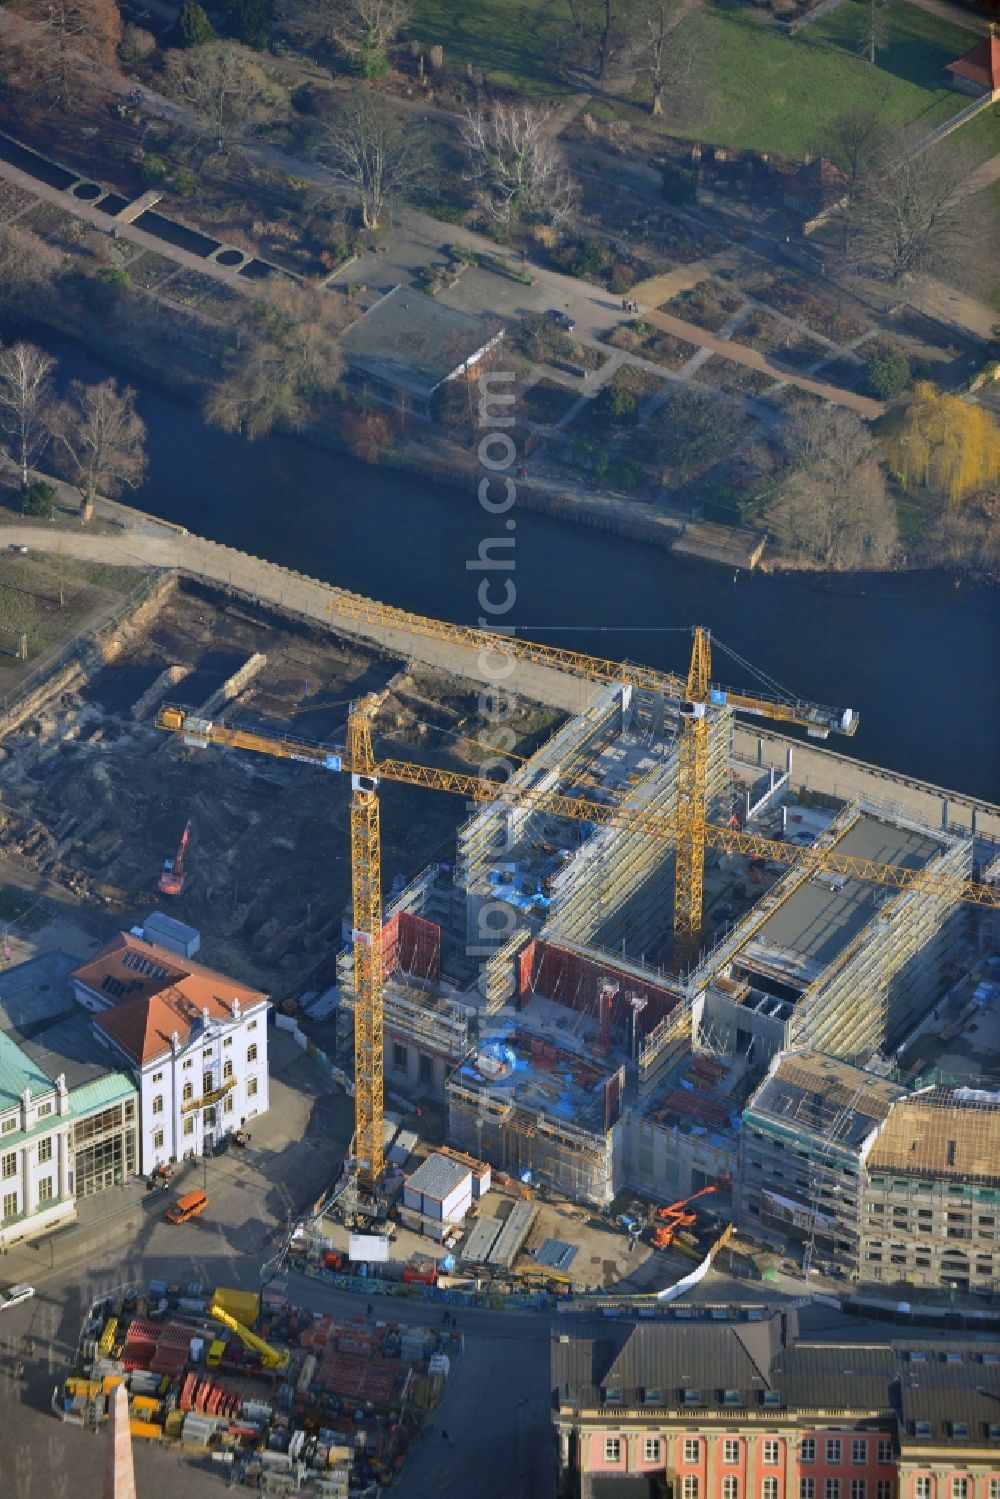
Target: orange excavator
173 873
676 1216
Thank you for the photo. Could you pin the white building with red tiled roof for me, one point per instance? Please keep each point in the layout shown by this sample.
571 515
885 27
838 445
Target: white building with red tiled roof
195 1041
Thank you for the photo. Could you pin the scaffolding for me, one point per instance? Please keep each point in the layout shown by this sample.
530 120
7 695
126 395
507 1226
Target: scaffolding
567 1157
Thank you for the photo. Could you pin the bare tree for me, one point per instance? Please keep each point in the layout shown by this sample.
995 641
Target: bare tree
661 46
26 403
519 170
832 505
224 84
28 269
368 147
103 440
289 357
906 220
73 31
363 29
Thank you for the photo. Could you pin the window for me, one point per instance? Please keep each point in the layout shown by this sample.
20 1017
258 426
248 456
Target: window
158 1140
690 1487
769 1488
883 1488
251 1025
188 1065
187 1092
859 1489
831 1488
651 1449
807 1450
189 1125
45 1190
859 1451
158 1104
228 1105
959 1488
921 1488
833 1449
732 1397
730 1487
228 1041
995 1488
227 1070
157 1077
884 1450
10 1204
612 1449
44 1108
206 1082
692 1450
45 1149
730 1451
770 1453
807 1488
252 1052
400 1057
251 1087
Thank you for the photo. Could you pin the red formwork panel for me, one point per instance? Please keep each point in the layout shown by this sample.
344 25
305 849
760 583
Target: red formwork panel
575 981
413 944
142 1332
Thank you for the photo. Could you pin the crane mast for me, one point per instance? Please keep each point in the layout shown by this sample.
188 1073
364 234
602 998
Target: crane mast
366 889
692 803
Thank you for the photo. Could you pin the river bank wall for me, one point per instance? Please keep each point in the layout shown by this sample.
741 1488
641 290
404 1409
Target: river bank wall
162 545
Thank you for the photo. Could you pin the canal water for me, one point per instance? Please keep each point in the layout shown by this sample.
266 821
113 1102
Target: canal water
916 653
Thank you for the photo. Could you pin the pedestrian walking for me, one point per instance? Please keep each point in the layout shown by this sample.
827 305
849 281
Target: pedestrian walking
444 1435
369 1309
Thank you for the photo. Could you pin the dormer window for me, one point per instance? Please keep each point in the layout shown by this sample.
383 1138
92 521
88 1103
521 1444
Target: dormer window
612 1395
921 1428
732 1397
691 1397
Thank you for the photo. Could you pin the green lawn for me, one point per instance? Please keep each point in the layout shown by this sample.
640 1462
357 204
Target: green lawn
768 91
511 40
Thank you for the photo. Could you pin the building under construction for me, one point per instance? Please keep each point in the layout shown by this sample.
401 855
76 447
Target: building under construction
528 984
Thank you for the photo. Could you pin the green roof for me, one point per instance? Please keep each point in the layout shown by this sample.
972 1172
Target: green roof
103 1091
17 1072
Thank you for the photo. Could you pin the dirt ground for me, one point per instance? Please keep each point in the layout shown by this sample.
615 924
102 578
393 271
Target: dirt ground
94 799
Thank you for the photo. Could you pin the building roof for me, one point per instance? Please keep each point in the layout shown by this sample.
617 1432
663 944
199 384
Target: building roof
981 64
815 923
943 1382
820 1096
412 342
438 1177
155 995
630 1360
937 1133
17 1072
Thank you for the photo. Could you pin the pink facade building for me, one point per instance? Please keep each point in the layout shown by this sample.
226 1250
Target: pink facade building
749 1409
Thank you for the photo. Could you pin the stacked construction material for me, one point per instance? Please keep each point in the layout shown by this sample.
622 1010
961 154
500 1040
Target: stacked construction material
199 1393
172 1350
316 1334
140 1344
359 1379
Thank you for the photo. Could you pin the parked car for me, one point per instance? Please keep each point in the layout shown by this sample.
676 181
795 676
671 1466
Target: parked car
15 1296
563 319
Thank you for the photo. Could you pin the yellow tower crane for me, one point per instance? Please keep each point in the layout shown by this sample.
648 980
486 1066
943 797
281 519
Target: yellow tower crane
366 771
366 892
696 694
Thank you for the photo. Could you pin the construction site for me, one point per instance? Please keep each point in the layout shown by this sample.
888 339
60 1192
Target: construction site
287 1400
593 975
95 801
